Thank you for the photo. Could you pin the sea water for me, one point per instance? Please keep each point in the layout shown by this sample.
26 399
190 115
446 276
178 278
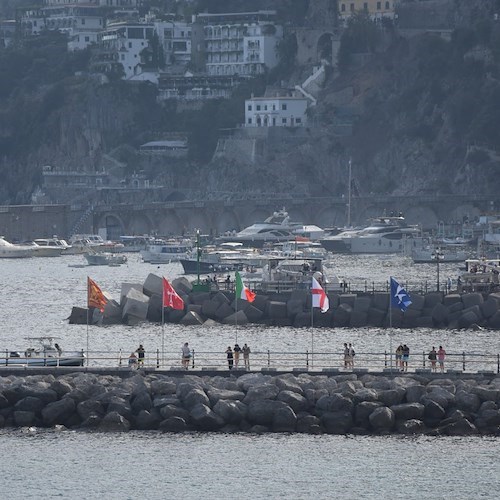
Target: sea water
37 295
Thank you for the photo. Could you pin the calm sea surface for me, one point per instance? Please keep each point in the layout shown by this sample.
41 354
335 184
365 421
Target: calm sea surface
36 297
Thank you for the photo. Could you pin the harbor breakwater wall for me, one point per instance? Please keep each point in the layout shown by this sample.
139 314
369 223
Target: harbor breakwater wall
143 302
254 402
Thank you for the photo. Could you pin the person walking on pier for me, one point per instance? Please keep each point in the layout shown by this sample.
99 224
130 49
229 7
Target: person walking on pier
346 355
432 358
237 350
140 356
186 355
230 358
441 354
399 355
352 353
132 361
246 357
405 358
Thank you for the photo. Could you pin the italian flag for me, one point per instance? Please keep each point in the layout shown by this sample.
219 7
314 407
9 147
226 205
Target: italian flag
242 292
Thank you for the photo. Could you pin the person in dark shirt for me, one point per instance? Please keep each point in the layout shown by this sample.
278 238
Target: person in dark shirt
230 358
140 355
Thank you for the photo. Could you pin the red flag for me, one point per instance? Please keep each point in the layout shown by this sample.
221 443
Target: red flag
95 297
170 297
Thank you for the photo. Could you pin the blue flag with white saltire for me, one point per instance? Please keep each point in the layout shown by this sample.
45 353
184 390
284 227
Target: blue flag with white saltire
399 296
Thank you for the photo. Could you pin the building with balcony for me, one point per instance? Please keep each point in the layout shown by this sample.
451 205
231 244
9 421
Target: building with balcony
190 87
288 111
376 9
121 47
240 43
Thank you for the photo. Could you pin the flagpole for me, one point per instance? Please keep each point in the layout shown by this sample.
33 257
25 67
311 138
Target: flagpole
236 316
390 324
163 329
88 311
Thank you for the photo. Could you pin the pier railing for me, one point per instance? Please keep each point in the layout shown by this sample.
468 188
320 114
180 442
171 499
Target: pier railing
283 361
304 360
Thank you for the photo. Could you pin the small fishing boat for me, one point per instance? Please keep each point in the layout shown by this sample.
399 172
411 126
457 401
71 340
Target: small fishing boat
105 259
10 251
46 353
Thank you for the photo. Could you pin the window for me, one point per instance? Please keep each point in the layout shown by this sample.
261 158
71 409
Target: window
352 7
283 120
265 107
365 6
387 5
87 39
249 121
379 5
258 107
249 107
298 120
343 7
83 21
129 45
274 107
283 107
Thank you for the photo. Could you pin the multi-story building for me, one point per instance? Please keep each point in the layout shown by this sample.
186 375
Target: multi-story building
81 22
122 47
286 111
376 9
240 43
175 38
7 32
189 87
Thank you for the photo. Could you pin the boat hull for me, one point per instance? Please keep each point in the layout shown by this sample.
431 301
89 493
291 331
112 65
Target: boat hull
41 361
193 267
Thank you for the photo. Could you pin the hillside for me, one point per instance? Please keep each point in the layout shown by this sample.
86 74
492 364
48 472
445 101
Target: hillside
425 116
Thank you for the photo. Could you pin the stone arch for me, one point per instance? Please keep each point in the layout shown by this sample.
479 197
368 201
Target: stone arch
198 220
170 224
226 221
424 216
139 223
463 211
331 217
113 224
324 47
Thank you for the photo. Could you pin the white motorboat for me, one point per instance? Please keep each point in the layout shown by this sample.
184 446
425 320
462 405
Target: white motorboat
161 251
46 353
49 247
84 243
105 259
135 243
10 251
383 235
278 227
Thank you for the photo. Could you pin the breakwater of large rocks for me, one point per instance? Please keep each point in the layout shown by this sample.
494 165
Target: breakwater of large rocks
254 402
143 302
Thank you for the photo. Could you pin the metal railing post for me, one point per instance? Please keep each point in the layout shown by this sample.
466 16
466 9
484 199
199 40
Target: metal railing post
192 357
6 357
307 359
157 358
385 359
423 358
268 359
498 363
463 360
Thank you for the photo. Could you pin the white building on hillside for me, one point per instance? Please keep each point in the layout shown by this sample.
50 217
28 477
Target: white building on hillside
240 43
122 46
276 112
81 22
175 38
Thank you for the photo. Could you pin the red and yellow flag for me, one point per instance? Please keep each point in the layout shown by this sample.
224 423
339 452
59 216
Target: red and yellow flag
95 297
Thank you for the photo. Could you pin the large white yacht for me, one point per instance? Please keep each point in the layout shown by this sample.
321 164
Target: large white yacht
382 235
277 227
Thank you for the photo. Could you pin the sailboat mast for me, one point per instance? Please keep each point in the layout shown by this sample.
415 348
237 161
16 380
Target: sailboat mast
349 194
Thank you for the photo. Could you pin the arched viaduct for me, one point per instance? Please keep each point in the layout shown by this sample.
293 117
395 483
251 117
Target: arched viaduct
215 217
